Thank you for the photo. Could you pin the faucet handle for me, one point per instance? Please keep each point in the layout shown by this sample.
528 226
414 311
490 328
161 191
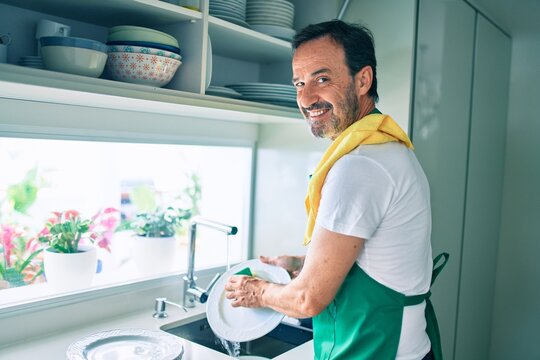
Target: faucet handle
202 294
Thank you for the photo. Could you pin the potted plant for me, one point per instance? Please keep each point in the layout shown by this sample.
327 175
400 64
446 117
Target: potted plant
70 257
154 243
21 263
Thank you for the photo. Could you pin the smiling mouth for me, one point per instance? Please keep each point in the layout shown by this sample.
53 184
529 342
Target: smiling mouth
316 113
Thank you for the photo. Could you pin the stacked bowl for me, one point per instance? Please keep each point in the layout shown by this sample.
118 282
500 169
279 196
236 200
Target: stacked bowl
271 17
142 56
73 55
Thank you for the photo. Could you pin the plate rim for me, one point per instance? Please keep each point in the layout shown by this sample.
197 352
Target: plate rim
76 350
215 298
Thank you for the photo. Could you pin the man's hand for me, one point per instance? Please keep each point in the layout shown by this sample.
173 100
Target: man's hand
245 291
293 264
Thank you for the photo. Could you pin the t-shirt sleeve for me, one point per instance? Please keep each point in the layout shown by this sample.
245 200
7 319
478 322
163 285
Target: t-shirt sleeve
355 196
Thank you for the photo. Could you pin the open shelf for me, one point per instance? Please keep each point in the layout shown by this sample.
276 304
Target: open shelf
238 42
51 86
112 12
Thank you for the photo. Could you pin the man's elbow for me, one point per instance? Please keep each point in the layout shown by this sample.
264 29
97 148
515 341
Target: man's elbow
311 305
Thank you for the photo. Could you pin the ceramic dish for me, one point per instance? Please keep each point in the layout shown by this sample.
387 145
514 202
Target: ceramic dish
275 31
72 42
243 324
144 69
173 49
144 50
222 91
137 33
127 344
234 20
74 60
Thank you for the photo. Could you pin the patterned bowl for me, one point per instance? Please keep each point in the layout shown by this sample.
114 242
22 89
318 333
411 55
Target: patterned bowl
143 50
139 68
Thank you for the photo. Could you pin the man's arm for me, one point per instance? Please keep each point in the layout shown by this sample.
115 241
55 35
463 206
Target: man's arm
329 258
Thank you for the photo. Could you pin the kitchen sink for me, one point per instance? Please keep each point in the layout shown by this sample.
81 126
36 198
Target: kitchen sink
282 339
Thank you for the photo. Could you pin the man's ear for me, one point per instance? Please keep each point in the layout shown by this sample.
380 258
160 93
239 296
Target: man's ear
363 80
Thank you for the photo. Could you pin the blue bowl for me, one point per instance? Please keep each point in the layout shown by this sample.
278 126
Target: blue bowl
72 42
146 44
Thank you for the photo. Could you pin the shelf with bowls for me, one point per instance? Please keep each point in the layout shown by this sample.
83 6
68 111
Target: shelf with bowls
229 41
128 96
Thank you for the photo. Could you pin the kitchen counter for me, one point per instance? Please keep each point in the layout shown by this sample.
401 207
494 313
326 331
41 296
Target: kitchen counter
53 346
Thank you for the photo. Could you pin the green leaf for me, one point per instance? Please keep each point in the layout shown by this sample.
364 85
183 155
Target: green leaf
14 277
143 198
27 261
24 193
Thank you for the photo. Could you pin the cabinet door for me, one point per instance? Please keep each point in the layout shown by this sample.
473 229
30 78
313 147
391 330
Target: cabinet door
440 135
484 190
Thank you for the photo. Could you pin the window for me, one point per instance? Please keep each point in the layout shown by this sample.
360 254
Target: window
40 176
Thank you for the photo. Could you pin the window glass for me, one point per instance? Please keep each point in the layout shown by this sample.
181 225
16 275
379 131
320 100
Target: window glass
110 184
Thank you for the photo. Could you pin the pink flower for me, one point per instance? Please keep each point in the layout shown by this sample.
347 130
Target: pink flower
7 234
71 214
32 244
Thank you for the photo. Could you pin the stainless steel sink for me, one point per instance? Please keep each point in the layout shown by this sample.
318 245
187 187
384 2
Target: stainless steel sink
282 339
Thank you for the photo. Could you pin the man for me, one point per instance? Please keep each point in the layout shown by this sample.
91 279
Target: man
367 270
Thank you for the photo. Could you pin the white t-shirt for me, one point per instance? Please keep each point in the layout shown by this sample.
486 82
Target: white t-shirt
380 193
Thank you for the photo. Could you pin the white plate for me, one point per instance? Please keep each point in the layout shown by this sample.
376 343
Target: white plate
222 91
243 324
276 31
234 20
127 344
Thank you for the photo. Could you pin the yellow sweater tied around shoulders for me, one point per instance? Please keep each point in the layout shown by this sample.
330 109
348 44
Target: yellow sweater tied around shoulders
371 129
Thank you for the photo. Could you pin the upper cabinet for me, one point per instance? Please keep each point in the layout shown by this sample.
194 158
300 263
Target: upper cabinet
214 52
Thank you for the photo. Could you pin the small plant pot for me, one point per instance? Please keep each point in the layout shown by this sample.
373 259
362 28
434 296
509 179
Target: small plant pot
153 255
70 271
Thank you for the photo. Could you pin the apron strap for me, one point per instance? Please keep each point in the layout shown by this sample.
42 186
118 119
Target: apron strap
417 299
432 328
437 269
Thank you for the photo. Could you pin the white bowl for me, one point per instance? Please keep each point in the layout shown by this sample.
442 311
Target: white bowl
138 68
138 33
143 50
74 60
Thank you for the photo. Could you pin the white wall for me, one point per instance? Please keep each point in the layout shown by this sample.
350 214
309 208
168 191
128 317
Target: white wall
392 24
516 313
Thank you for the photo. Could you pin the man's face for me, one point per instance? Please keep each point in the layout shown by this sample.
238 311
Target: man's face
326 93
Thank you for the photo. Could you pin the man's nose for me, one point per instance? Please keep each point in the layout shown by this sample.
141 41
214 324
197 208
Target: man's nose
307 97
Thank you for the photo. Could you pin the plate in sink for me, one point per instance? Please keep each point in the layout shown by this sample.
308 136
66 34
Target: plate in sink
243 324
127 344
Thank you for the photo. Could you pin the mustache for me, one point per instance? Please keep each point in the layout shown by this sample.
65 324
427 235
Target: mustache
317 106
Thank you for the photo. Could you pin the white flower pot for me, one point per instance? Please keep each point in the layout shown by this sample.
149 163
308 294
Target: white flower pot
153 255
70 271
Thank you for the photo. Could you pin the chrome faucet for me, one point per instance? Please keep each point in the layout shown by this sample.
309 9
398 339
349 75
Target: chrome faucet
192 292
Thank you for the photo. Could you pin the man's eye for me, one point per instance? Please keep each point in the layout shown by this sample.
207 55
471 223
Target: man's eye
322 80
298 84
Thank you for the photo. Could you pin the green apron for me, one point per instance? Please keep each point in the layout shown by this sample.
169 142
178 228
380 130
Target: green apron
364 319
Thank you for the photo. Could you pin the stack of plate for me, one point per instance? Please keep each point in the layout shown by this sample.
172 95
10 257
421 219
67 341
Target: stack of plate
222 91
233 11
277 94
32 61
271 17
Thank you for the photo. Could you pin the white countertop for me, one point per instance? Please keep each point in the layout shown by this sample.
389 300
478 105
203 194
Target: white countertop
53 346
